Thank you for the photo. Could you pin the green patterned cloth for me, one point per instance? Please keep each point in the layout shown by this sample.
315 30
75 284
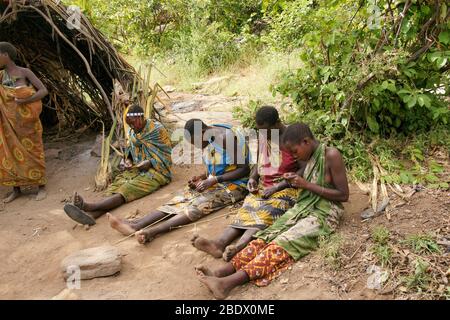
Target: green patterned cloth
298 230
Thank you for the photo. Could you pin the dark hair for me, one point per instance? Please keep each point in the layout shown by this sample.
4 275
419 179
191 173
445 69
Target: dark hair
135 108
190 125
296 132
8 48
267 115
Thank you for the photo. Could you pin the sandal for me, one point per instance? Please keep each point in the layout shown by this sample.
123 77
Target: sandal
78 215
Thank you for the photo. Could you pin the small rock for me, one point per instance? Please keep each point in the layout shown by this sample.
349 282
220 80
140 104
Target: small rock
67 294
67 154
93 263
169 89
52 153
185 106
87 227
407 211
284 281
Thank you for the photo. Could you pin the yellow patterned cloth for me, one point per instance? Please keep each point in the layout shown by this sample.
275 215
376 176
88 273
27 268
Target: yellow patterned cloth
134 184
22 160
257 212
196 205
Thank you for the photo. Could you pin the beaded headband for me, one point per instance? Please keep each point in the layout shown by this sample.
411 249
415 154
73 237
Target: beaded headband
135 114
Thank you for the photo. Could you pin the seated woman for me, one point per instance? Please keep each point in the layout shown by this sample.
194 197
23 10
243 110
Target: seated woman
145 170
295 234
226 157
268 198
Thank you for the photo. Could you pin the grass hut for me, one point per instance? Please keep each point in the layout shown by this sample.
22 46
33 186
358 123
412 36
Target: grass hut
74 60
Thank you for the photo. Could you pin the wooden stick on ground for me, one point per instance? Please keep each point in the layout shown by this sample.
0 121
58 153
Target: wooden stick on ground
145 228
163 218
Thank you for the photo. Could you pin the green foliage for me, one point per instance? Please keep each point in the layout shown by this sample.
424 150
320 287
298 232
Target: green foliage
288 26
422 244
330 248
373 82
383 254
381 249
203 32
246 114
380 235
420 279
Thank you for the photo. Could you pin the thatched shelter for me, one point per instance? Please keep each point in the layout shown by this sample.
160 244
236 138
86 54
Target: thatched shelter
77 65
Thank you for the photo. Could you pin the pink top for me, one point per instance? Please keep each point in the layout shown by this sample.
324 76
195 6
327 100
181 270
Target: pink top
273 163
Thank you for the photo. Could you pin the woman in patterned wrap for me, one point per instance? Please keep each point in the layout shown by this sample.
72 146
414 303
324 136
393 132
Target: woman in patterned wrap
226 158
22 160
146 167
295 234
270 196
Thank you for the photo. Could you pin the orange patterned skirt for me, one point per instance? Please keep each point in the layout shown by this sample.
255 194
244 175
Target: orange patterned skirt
262 262
22 161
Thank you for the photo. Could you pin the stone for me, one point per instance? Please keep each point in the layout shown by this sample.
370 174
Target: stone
185 106
52 153
67 294
93 262
169 89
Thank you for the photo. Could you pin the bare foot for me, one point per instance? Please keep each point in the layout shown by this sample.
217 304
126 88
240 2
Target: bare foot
144 236
203 270
216 286
120 225
42 194
207 246
78 201
12 196
229 252
194 237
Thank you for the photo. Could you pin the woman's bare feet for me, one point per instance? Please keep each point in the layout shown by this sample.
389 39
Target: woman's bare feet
13 195
120 225
78 201
144 236
229 252
205 271
42 194
207 246
216 285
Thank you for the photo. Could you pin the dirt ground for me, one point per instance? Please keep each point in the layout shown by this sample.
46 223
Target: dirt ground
36 236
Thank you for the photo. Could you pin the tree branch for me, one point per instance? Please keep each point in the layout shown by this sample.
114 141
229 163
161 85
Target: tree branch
402 16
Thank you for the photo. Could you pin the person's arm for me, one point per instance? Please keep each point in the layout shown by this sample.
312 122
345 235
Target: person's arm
41 90
195 180
283 184
338 175
241 171
144 165
252 184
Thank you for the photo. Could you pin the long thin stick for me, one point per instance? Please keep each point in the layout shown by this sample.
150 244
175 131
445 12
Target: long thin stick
150 225
186 225
195 223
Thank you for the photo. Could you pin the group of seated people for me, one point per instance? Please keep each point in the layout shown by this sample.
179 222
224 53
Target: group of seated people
291 196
